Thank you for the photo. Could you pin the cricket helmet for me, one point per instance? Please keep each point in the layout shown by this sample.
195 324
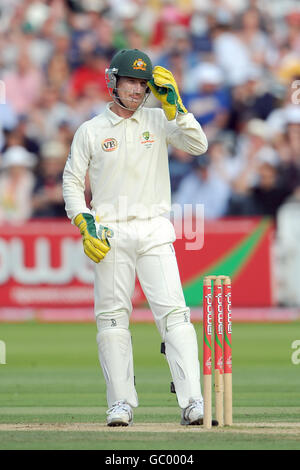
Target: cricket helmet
128 63
131 63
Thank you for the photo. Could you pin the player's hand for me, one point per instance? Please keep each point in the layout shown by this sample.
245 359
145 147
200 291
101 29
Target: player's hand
94 247
165 89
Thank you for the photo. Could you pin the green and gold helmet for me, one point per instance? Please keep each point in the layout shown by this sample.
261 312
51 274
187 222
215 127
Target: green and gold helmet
132 63
128 63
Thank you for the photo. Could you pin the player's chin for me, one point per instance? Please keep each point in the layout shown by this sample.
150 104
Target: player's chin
134 103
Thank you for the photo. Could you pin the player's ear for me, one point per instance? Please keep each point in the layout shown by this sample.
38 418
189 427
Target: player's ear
115 91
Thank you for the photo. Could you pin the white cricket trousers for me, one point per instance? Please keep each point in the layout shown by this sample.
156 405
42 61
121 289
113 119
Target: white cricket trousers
143 248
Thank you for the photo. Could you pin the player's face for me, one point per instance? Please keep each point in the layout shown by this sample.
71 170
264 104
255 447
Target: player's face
131 91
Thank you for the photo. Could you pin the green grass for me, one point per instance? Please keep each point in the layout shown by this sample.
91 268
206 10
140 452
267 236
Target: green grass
52 376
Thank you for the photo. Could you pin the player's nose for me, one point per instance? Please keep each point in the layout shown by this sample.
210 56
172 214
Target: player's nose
138 87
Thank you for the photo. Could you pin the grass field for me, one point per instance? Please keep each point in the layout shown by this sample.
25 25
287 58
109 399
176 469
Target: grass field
52 393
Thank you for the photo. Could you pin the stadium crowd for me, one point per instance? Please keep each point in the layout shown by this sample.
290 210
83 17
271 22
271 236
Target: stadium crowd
237 64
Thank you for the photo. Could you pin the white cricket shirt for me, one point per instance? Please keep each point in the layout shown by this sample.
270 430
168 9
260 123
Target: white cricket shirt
127 161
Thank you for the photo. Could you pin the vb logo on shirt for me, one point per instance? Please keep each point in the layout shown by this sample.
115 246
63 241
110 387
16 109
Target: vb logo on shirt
110 144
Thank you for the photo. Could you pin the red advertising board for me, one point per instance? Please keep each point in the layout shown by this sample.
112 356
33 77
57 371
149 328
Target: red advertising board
42 264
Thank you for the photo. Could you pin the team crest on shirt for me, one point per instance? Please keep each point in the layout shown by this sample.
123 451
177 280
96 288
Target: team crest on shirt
109 145
139 64
147 139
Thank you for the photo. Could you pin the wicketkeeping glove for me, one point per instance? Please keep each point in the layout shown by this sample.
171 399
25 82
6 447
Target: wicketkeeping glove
164 88
94 247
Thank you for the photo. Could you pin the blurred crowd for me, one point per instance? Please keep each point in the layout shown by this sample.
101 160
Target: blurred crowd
237 65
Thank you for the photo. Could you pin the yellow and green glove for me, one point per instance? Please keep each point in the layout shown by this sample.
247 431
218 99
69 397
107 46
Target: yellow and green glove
165 89
94 247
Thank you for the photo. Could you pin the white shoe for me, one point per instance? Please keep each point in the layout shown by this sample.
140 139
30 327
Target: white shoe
120 414
193 414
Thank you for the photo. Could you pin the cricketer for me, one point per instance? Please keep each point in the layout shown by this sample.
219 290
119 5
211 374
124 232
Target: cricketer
126 231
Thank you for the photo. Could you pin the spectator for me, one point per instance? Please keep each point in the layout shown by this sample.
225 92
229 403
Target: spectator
180 46
180 165
65 133
250 98
18 135
203 186
104 36
8 120
232 55
223 164
210 104
90 74
23 86
16 184
267 195
47 199
288 145
81 38
177 63
128 32
262 51
62 44
48 113
293 31
255 144
200 27
255 147
169 17
277 119
58 72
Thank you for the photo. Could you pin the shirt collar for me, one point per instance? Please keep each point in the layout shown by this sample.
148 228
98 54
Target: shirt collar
115 119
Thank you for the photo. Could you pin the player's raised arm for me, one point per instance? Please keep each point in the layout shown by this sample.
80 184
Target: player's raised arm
183 131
